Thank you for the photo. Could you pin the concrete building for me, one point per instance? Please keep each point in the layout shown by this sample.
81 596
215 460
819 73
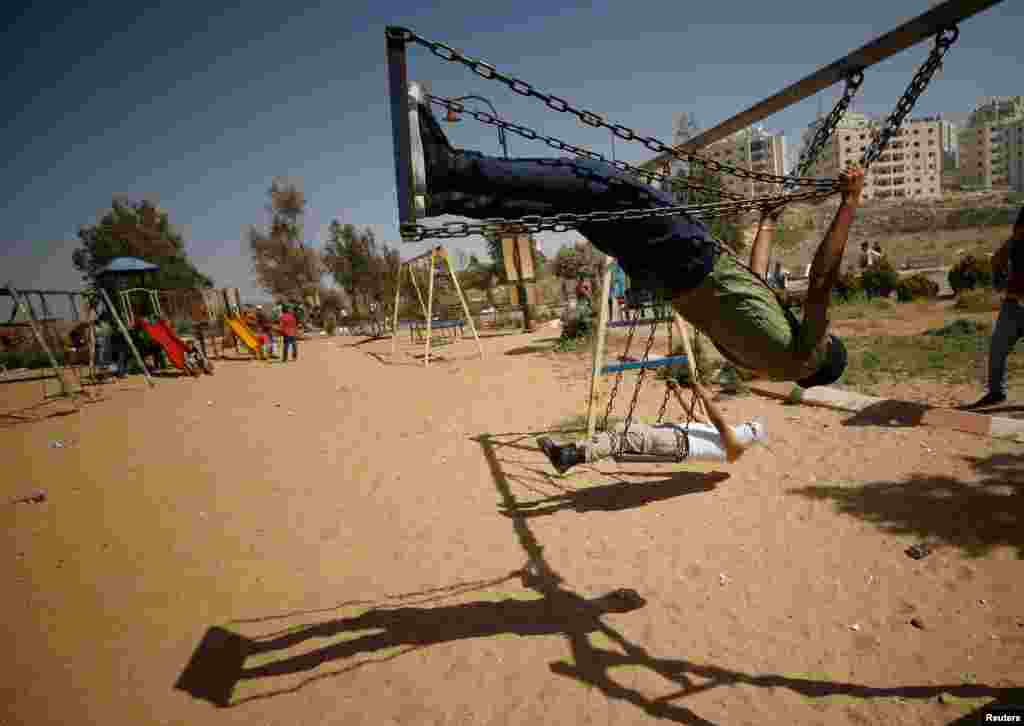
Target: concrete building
1013 135
752 149
984 143
910 167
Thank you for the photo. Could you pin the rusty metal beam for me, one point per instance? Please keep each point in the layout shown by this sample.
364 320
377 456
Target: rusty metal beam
912 32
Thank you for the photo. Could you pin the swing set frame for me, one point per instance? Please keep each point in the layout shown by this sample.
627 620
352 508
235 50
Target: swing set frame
434 254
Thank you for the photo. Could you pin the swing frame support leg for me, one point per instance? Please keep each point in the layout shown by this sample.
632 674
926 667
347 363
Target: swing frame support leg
599 345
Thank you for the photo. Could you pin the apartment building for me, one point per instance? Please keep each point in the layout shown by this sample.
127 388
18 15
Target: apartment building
985 155
752 149
1013 135
910 167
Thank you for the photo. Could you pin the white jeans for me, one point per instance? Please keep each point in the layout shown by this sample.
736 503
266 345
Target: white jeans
665 440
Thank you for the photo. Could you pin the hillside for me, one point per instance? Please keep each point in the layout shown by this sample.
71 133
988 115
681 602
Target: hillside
975 222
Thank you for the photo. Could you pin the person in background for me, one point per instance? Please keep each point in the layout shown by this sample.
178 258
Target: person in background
618 290
778 278
289 327
1010 323
266 326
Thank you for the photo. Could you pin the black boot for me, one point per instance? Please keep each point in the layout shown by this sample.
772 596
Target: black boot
561 457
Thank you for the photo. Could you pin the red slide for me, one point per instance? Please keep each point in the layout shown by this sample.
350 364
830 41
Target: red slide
173 346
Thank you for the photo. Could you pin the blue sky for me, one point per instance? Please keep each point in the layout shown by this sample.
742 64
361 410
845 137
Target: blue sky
200 105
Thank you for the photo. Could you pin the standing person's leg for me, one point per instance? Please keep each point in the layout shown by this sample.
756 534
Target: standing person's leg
1008 330
201 337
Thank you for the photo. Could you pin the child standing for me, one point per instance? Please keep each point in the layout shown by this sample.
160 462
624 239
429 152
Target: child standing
289 332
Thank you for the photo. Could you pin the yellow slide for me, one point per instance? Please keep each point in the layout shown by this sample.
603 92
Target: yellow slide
242 332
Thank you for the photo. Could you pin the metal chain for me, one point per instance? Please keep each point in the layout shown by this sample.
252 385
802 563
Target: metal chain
828 127
568 220
943 41
618 375
639 382
555 143
490 72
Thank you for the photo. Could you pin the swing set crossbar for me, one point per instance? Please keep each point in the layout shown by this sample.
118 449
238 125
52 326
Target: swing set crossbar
673 360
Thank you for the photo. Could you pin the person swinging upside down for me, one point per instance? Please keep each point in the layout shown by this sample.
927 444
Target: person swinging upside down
714 441
675 255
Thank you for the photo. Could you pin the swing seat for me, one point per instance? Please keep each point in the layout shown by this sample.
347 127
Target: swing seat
673 360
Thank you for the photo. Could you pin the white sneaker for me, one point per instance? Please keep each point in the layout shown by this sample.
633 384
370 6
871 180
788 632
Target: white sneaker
758 431
417 96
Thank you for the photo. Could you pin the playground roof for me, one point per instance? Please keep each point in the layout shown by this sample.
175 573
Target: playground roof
128 264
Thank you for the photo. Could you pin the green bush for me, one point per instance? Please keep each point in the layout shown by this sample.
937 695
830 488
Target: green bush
330 324
847 286
959 328
971 272
978 301
916 287
578 323
981 217
33 360
880 280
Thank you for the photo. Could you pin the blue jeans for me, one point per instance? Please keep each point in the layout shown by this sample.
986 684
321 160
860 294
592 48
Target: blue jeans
289 342
670 254
1009 329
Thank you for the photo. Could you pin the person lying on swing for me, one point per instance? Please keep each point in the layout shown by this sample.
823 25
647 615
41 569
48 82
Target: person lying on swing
677 256
714 440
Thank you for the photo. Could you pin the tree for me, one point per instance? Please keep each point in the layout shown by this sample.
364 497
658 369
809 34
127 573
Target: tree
724 228
285 266
348 256
579 260
142 230
368 273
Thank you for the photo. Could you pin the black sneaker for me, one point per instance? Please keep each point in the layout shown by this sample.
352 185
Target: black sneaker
989 399
562 458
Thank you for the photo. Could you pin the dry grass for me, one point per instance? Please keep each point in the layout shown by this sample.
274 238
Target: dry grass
955 353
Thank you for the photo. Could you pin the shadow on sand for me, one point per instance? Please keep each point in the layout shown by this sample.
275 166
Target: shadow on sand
973 516
219 662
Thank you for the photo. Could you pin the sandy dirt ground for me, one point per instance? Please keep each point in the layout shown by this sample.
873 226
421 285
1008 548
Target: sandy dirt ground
344 540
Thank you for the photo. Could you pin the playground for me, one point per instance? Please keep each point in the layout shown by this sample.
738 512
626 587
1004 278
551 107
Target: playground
438 571
370 533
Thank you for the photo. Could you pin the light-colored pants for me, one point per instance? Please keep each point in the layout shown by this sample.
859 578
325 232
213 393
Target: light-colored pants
665 440
1009 329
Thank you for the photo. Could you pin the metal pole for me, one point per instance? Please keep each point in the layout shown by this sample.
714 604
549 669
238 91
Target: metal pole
127 337
599 346
912 32
34 325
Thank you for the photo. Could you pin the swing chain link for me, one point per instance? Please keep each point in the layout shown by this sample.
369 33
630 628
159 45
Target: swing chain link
618 376
825 130
639 382
529 134
944 40
589 118
568 221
